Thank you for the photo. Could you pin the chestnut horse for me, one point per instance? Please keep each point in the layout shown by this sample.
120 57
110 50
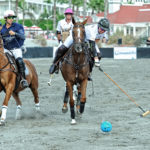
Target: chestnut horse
8 77
75 68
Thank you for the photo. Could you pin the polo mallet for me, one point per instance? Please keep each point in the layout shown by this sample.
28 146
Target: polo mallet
145 113
50 80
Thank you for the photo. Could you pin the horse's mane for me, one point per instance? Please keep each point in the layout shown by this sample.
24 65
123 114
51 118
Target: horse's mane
73 20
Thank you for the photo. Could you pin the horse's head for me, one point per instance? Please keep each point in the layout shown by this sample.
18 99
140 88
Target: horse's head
79 35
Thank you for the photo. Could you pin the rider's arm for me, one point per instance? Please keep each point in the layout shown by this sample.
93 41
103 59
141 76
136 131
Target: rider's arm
93 47
105 37
20 33
58 32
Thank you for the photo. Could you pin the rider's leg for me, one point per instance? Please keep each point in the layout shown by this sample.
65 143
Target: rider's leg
60 52
21 65
97 54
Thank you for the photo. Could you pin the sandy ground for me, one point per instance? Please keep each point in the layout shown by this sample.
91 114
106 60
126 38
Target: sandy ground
51 129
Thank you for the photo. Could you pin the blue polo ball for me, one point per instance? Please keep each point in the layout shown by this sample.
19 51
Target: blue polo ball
106 126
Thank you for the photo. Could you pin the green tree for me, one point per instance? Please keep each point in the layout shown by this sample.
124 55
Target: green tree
77 4
26 11
45 19
96 6
17 1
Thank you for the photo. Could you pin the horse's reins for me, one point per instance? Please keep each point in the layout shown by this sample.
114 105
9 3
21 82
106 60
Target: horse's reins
77 66
63 56
3 68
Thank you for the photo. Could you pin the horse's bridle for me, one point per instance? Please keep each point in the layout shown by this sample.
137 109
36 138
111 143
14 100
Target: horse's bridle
78 38
83 45
3 68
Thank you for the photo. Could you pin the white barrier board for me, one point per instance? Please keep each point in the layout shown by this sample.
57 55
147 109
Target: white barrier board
125 53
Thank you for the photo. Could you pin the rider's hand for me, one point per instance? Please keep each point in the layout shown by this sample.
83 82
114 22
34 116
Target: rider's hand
11 32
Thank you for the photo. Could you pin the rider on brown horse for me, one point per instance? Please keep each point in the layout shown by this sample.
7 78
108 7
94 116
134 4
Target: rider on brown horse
0 26
13 38
103 25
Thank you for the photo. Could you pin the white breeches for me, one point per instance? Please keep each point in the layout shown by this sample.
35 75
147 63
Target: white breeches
97 49
16 52
68 41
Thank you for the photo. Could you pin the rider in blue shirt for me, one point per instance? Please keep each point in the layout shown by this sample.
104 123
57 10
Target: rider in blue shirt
13 38
0 26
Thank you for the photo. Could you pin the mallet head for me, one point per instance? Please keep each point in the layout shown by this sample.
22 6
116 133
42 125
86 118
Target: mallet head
146 113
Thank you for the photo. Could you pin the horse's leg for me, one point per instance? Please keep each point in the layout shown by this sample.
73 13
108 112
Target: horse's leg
70 87
36 97
66 97
19 104
0 88
0 110
78 100
75 92
9 90
83 95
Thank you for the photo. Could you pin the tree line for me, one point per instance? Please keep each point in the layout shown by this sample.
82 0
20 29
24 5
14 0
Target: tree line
49 18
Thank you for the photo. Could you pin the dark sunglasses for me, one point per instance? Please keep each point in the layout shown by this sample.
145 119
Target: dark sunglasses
103 30
11 17
68 14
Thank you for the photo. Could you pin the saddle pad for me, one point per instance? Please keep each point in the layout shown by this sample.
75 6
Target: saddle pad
26 70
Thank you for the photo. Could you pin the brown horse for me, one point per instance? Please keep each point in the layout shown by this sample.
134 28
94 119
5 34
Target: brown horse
8 78
75 68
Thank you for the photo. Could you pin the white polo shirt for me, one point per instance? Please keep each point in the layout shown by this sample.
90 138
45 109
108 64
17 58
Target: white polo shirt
63 25
93 34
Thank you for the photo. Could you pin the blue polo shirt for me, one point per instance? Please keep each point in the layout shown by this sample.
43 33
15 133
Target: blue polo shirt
12 42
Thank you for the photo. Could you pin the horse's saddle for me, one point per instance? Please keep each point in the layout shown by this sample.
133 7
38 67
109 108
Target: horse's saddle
14 68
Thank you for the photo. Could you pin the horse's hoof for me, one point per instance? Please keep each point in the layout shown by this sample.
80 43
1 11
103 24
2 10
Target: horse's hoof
37 108
18 113
2 123
49 83
64 109
79 115
78 112
73 122
18 117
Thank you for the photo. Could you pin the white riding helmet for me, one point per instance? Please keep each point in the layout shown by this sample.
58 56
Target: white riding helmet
8 13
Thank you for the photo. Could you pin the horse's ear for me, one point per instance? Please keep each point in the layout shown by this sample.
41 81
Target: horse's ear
73 20
85 21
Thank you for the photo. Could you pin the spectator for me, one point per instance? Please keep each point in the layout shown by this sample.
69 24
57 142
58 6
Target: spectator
148 42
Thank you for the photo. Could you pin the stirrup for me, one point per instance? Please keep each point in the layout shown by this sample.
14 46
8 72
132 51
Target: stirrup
89 78
24 83
57 70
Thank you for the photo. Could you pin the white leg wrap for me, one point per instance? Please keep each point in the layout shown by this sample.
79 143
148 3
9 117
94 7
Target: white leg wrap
4 111
75 92
18 112
37 106
19 107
